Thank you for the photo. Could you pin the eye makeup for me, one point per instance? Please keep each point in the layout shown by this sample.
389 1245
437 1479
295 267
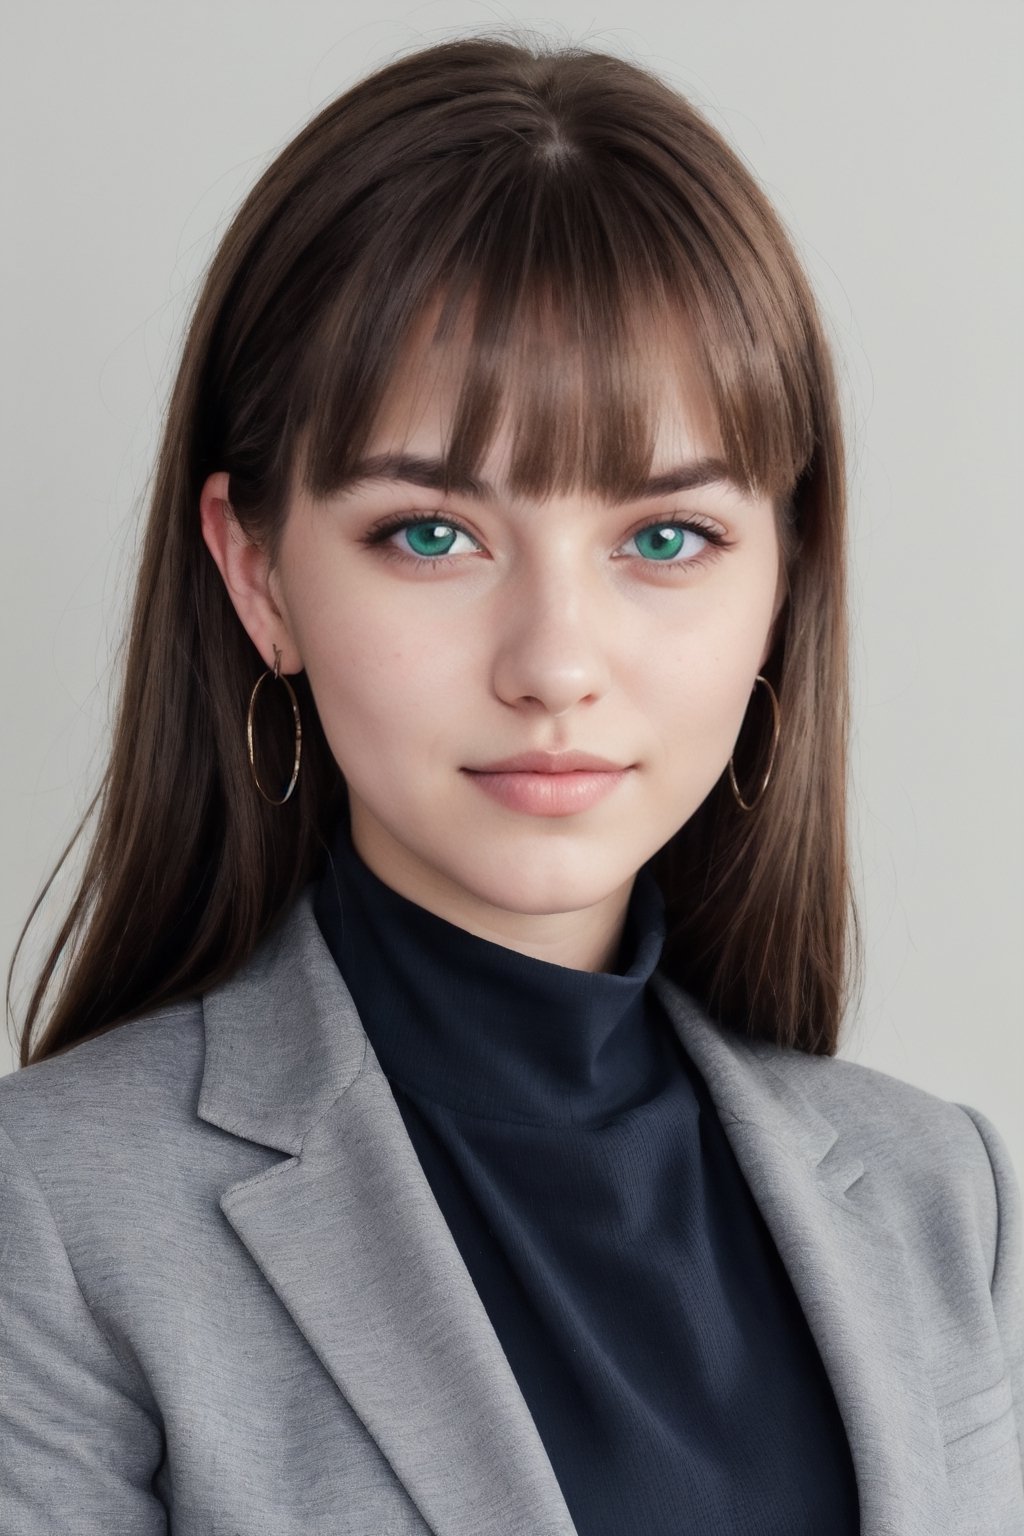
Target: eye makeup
714 541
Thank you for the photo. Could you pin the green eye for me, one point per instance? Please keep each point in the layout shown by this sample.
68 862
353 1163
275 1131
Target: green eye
662 542
431 538
430 542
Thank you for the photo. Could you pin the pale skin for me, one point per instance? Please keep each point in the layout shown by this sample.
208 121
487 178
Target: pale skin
549 626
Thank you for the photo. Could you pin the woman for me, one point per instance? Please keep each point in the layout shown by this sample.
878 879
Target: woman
437 1129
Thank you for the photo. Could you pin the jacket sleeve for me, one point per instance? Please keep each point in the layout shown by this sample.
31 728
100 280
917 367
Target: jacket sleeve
78 1446
1007 1278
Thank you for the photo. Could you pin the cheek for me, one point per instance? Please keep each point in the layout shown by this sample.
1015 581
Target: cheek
700 697
379 691
705 709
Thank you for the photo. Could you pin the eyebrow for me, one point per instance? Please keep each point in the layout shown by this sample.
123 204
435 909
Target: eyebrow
415 469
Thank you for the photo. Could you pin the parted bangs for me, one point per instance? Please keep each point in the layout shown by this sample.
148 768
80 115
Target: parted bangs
565 296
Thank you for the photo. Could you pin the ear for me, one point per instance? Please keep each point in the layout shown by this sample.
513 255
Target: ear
244 567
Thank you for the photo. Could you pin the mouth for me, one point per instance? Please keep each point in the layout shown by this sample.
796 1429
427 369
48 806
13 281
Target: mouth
548 793
553 762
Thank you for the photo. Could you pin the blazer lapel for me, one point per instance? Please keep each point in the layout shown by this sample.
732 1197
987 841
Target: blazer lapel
847 1264
348 1233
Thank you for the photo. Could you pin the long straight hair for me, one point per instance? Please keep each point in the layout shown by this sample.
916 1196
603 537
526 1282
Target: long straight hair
528 186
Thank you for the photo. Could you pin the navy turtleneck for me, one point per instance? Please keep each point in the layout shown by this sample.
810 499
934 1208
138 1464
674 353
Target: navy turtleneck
578 1159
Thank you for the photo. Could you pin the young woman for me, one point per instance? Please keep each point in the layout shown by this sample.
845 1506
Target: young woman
438 1126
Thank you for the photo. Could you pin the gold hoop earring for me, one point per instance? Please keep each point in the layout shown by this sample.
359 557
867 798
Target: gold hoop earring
276 674
771 761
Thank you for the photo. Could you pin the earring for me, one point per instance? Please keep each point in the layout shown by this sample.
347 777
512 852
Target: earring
771 761
276 674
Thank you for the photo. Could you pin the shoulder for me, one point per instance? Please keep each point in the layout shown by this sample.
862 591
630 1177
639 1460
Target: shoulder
124 1092
105 1159
933 1157
885 1118
874 1104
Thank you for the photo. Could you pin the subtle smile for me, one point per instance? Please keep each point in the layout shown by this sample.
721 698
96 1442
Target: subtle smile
548 793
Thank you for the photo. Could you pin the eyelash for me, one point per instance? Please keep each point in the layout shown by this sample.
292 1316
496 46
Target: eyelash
375 537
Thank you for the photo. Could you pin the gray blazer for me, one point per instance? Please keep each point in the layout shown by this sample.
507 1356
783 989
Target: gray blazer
230 1304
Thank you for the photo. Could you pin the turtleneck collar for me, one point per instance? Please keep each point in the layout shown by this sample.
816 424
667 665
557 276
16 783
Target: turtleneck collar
478 1028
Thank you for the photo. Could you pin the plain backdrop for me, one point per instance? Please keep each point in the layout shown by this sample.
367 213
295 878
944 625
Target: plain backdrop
888 136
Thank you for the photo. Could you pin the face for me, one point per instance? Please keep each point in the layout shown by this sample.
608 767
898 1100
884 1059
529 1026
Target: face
487 627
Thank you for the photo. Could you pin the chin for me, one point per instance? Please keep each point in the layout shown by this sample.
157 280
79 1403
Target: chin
565 885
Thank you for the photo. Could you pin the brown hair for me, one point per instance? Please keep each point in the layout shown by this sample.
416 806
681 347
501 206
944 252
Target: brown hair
539 182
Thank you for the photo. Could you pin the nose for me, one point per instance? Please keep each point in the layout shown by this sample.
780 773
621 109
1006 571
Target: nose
552 634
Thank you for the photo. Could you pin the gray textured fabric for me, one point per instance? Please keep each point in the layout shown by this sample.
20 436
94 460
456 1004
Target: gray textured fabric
230 1305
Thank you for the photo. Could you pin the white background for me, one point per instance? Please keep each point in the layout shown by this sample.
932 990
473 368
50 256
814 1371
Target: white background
887 134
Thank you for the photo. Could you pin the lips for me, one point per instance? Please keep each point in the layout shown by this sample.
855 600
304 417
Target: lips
550 793
552 762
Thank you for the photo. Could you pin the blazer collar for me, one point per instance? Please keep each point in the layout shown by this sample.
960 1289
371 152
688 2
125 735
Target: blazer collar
284 1041
349 1235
